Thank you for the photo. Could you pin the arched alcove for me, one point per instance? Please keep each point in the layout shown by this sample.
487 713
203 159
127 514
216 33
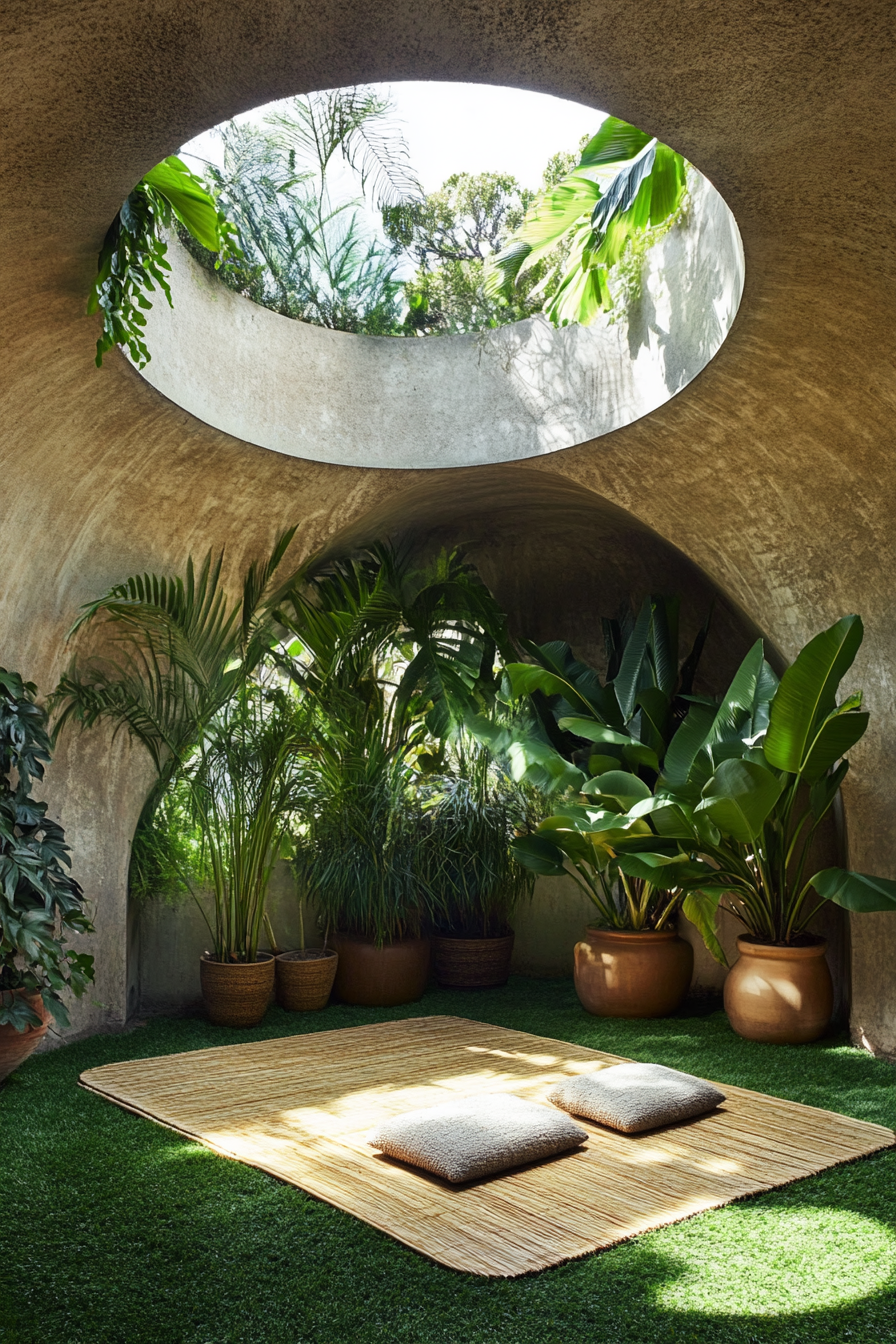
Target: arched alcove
558 558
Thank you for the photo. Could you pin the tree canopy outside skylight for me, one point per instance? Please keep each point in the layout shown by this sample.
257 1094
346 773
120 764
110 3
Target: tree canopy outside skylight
316 211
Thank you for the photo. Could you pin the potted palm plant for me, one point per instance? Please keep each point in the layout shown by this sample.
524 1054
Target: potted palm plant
40 902
744 789
474 813
244 780
177 667
388 654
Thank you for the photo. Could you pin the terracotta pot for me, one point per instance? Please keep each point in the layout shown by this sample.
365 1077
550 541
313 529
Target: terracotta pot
781 994
381 977
472 963
16 1046
620 973
304 979
237 994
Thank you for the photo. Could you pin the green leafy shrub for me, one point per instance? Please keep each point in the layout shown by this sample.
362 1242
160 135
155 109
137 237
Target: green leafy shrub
40 903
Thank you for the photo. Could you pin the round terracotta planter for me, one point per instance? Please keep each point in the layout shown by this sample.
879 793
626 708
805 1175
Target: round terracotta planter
304 979
16 1046
380 977
472 963
779 994
237 994
619 973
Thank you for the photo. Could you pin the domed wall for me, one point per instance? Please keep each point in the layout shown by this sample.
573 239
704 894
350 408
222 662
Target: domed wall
772 471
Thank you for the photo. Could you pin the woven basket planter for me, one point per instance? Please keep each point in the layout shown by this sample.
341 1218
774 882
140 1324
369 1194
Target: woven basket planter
473 963
304 979
16 1046
237 994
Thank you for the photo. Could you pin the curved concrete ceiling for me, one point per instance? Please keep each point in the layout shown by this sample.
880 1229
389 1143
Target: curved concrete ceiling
773 471
450 401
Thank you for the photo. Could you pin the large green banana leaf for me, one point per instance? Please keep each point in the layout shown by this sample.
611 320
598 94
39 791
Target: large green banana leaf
189 200
856 891
739 798
808 693
834 737
619 787
701 908
597 221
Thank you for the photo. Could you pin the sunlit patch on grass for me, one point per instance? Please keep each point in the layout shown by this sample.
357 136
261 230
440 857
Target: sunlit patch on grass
777 1262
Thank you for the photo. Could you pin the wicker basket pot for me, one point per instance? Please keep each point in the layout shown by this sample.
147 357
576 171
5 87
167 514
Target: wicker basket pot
623 973
472 963
304 979
16 1046
237 993
381 977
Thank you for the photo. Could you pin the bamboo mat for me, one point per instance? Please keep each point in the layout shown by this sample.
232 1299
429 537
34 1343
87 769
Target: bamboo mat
300 1108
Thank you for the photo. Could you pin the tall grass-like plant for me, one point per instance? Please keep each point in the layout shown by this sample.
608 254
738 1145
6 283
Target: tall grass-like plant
245 782
362 852
474 813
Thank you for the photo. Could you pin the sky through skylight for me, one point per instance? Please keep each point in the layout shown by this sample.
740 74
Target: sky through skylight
472 128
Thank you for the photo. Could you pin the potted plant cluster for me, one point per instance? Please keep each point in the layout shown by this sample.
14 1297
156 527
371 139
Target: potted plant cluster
744 788
474 812
583 731
389 656
41 904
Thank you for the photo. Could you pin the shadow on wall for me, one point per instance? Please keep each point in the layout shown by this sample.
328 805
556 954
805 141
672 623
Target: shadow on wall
685 290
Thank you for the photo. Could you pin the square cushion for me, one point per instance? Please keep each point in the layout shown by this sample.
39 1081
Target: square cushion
471 1137
635 1097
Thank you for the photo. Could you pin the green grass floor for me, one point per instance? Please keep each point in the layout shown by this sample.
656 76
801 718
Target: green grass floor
117 1230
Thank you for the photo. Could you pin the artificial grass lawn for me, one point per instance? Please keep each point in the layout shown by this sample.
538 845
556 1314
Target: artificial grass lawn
118 1230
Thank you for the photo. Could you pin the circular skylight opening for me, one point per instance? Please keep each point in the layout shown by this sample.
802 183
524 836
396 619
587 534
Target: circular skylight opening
429 275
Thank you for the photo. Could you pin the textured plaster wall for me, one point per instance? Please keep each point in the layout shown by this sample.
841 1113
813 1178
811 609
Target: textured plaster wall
497 396
772 471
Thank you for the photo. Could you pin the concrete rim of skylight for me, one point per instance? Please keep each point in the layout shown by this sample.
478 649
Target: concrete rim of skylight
499 395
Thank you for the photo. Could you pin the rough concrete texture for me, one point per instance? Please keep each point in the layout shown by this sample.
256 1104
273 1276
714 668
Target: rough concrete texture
772 472
497 396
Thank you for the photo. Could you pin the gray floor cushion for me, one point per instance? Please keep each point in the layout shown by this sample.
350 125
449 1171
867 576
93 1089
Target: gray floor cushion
635 1097
471 1137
